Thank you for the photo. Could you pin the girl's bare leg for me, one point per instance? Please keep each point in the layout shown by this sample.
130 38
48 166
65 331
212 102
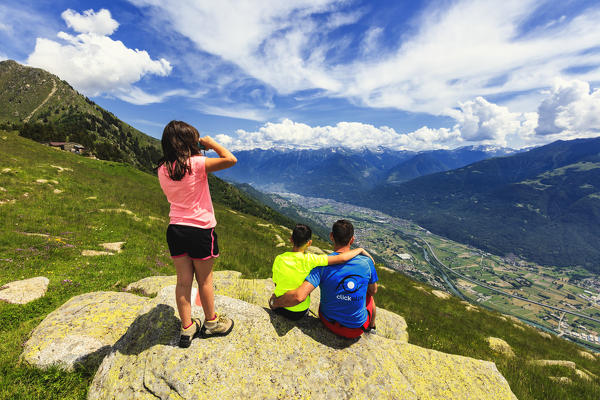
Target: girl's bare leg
183 290
204 276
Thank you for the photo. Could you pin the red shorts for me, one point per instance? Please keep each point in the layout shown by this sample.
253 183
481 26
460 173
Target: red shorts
346 332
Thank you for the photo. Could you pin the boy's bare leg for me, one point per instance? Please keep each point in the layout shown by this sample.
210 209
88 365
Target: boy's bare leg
204 276
185 278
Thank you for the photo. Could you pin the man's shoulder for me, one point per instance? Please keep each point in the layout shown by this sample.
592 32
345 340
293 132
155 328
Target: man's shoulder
361 260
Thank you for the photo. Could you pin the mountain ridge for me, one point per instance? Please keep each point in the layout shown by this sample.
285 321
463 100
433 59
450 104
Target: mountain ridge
43 107
331 171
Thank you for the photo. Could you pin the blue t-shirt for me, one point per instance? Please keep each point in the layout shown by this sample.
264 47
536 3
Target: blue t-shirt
344 290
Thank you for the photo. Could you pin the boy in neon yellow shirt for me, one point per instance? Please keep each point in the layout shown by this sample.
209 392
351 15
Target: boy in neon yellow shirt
290 268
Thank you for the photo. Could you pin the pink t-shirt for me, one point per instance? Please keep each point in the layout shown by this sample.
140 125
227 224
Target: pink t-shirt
190 197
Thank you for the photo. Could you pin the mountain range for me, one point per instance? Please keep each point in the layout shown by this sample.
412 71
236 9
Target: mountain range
543 204
338 171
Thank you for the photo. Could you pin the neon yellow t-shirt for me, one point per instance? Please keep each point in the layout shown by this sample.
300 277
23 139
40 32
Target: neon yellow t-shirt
289 271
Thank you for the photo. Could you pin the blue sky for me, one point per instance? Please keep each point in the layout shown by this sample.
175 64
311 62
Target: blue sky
319 73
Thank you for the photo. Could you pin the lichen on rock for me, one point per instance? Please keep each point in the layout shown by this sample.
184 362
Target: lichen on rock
258 291
82 330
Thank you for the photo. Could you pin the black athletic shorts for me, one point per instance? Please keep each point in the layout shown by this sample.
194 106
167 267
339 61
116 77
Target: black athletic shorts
196 243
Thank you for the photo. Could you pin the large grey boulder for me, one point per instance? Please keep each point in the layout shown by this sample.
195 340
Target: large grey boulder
268 357
151 285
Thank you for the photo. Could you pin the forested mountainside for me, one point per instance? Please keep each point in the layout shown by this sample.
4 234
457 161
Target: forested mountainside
45 108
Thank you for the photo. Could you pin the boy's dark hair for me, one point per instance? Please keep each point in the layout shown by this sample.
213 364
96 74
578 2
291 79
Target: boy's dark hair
301 234
342 231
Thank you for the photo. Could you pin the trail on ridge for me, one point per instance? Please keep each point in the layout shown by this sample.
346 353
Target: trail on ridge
43 102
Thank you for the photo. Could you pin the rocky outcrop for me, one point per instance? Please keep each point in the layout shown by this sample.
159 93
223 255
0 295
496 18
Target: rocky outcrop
24 291
151 285
265 356
582 373
500 346
113 246
441 295
94 253
561 379
544 334
587 355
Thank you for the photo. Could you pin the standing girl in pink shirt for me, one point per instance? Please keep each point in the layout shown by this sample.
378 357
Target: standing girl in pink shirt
191 235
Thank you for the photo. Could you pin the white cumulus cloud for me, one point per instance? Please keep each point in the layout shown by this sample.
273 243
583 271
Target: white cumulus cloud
100 23
478 121
488 123
96 64
571 109
274 41
353 135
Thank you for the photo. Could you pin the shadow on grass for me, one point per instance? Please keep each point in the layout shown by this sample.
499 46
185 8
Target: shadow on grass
310 326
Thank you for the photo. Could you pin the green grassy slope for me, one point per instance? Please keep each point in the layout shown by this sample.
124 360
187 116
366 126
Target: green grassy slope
285 207
72 221
45 108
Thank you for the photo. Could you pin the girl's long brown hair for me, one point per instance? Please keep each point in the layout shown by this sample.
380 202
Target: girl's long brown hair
179 142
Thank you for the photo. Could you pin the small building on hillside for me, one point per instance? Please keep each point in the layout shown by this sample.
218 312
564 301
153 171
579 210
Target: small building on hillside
68 146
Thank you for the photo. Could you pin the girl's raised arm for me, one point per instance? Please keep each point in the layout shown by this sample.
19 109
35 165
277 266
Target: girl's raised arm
226 158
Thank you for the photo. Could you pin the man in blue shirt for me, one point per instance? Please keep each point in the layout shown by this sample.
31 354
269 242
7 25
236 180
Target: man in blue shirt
347 306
